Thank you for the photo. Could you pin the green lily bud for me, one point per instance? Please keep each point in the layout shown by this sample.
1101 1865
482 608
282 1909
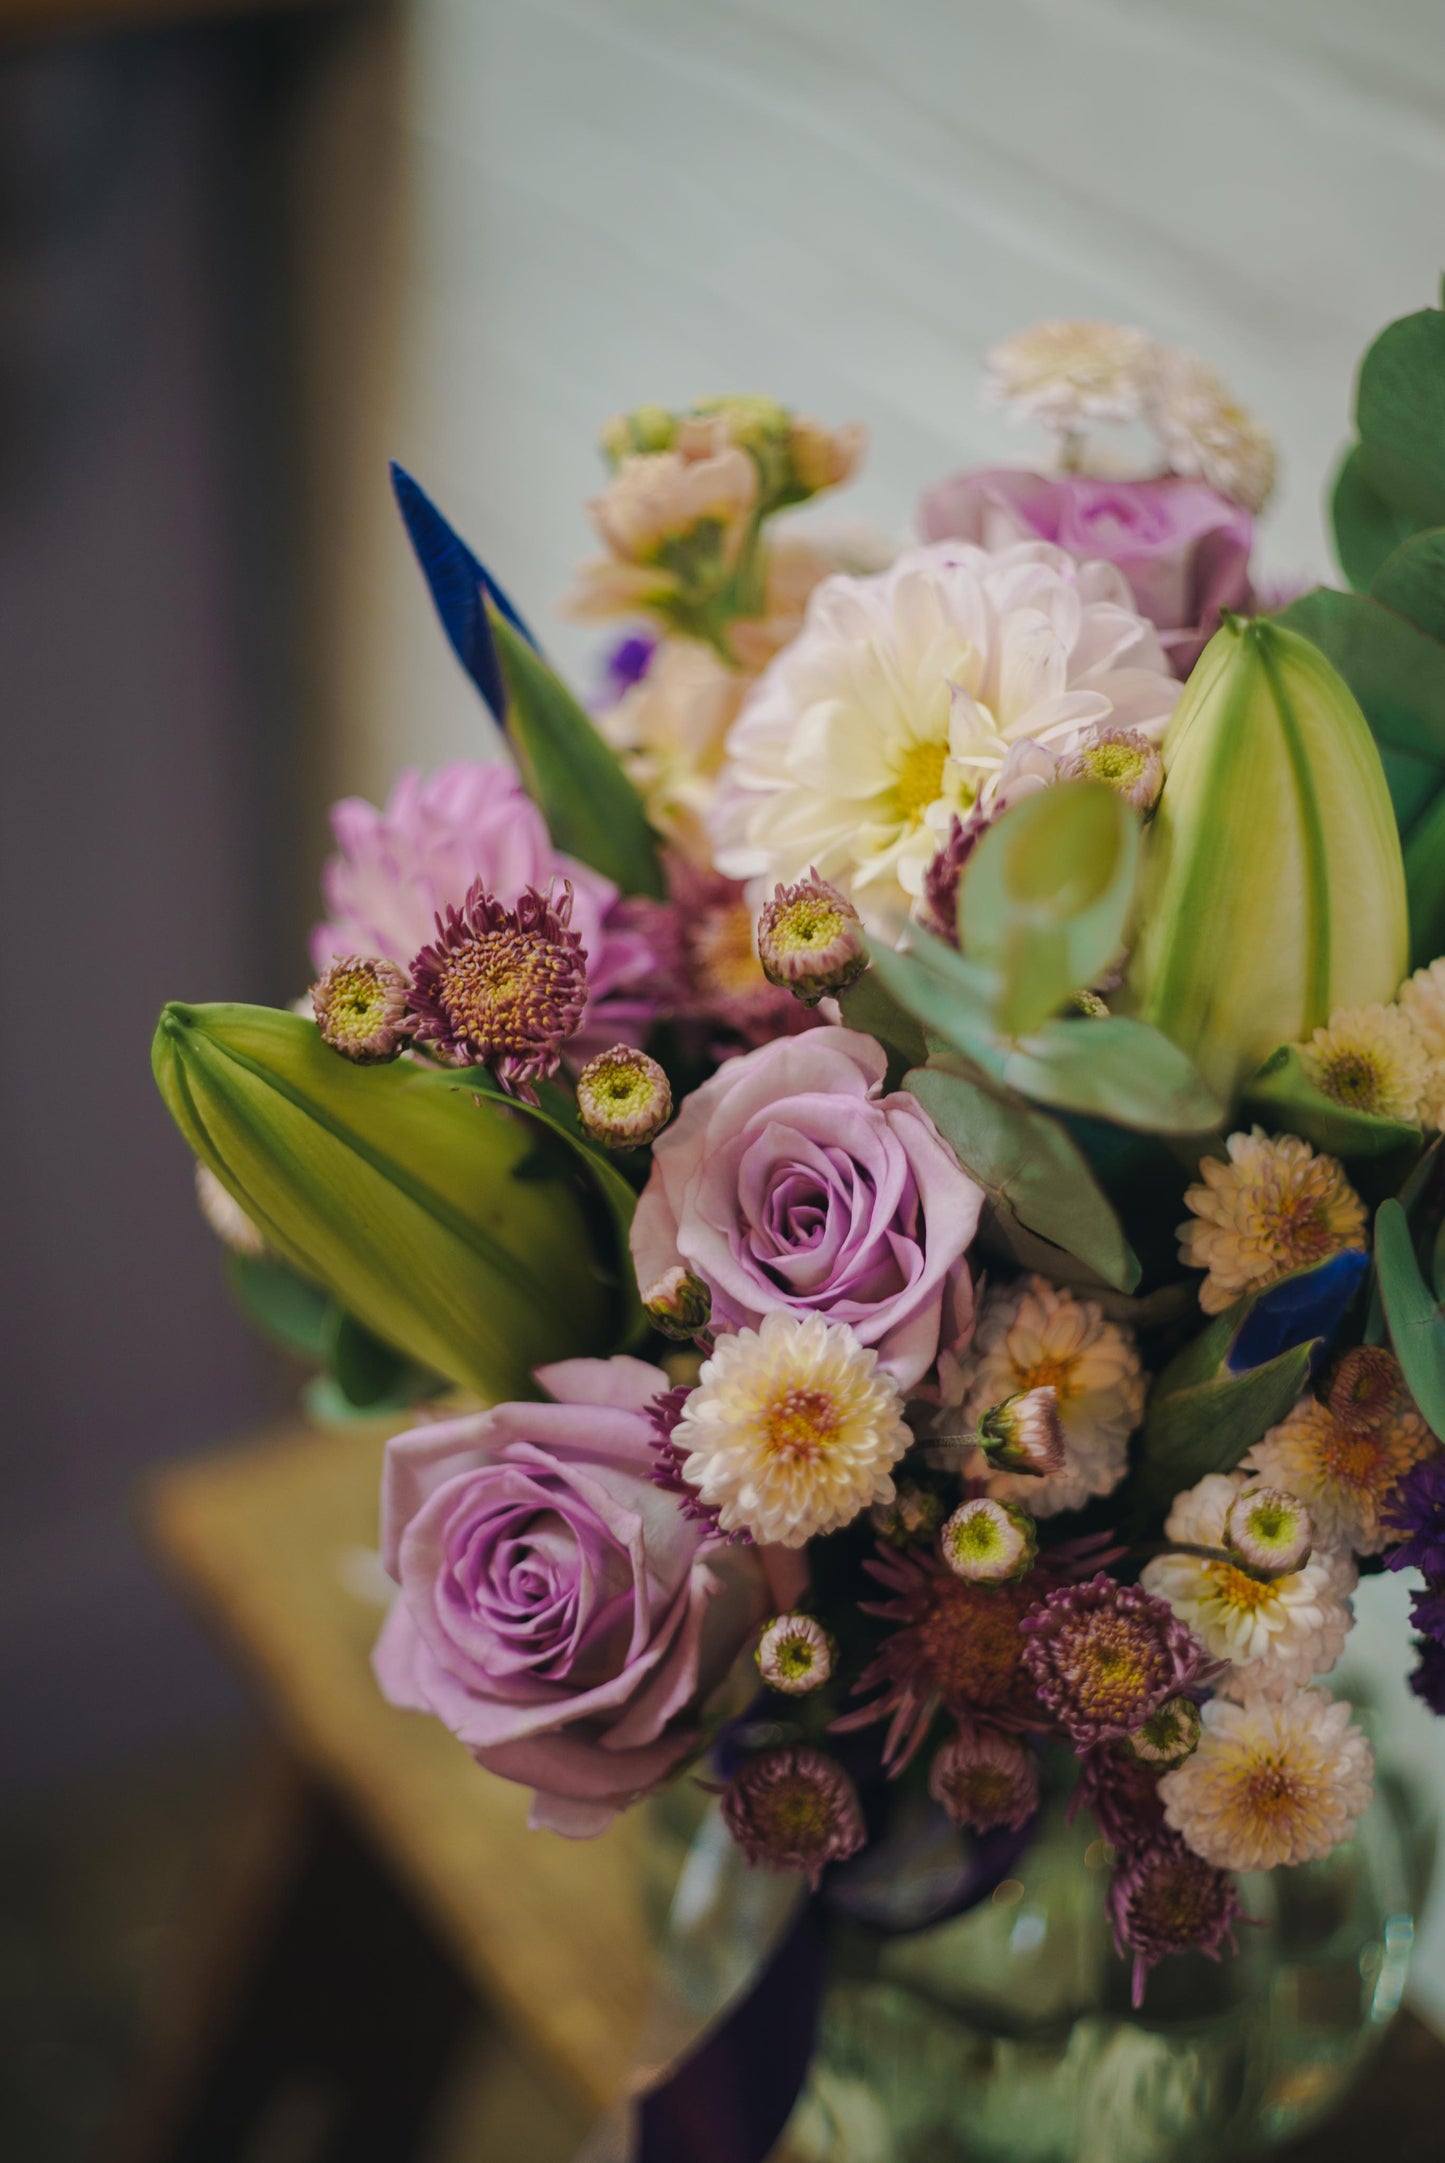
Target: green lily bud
1272 890
450 1225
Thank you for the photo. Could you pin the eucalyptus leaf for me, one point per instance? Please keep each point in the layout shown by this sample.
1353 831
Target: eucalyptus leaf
1400 417
372 1375
1282 1097
1211 1425
869 1006
1425 883
282 1304
1028 1165
1367 528
1411 581
1044 899
1114 1068
1414 1316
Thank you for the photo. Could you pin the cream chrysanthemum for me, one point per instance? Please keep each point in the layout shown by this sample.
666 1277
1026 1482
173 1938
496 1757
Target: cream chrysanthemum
1031 1335
899 702
670 730
1275 1633
1371 1059
1271 1783
1271 1208
791 1430
1345 1471
1070 374
1202 429
1422 1000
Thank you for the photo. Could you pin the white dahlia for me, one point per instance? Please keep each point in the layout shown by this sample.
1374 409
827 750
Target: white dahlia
1276 1633
1032 1336
1271 1783
900 700
792 1430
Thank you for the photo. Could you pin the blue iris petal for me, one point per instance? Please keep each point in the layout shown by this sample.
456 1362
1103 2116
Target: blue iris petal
457 582
1306 1306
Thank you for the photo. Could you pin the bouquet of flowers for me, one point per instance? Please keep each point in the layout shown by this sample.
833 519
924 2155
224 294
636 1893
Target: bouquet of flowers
893 1163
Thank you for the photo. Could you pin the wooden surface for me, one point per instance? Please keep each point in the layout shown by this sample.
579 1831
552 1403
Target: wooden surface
271 1540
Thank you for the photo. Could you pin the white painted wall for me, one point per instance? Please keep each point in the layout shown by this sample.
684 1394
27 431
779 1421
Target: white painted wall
844 202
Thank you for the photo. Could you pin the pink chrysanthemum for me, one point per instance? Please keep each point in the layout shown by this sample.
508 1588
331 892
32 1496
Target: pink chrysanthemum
502 988
1122 1794
985 1780
716 981
794 1809
398 868
1104 1656
954 1647
1166 1899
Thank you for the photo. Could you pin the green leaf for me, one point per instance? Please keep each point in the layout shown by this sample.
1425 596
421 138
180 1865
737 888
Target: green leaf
953 998
1425 883
1415 1318
1209 1426
281 1303
592 810
1400 417
1367 529
1396 671
870 1007
1282 1096
1045 897
1116 1069
1411 581
1029 1167
370 1375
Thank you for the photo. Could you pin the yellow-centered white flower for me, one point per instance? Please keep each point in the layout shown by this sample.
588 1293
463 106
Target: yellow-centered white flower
1277 1632
1271 1783
1422 999
900 700
791 1430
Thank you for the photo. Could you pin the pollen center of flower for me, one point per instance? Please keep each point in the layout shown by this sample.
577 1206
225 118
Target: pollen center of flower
1353 1458
1272 1790
493 988
1054 1374
1302 1233
1237 1588
1120 765
1354 1078
920 779
799 1424
797 1815
806 926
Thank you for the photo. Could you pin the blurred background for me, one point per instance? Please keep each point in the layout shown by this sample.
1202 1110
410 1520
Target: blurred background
246 255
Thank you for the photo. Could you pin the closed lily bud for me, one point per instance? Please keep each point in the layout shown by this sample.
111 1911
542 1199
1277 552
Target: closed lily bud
442 1221
1272 890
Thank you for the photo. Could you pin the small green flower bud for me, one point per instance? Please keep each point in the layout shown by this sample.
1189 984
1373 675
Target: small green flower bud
634 434
1024 1433
1169 1735
1269 1530
623 1098
989 1542
795 1655
361 1008
810 940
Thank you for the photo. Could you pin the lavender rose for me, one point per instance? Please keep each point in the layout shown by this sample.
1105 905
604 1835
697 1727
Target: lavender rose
1183 549
557 1610
788 1181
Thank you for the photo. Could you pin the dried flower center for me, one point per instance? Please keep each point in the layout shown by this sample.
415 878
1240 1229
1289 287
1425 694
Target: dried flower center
986 1789
800 1424
1355 1457
796 1816
1272 1791
970 1642
1178 1903
723 956
920 779
496 990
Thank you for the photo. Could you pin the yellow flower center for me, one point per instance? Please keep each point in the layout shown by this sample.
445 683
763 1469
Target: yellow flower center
1271 1790
1054 1374
799 1424
723 951
920 779
1354 1078
1237 1589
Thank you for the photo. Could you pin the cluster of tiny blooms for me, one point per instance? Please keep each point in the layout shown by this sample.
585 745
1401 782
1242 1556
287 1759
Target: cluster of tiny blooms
792 1429
1270 1207
1104 1656
502 988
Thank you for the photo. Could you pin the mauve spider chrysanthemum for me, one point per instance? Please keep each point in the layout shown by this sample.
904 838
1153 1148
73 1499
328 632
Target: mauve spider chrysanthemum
794 1809
985 1780
1417 1512
1166 1899
1104 1656
1122 1794
954 1647
502 988
663 1413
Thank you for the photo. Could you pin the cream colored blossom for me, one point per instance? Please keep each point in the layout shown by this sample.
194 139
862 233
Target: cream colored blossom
1371 1059
1270 1208
1275 1633
1271 1783
899 702
1071 374
792 1430
1032 1335
1345 1471
823 457
670 730
1422 1000
662 495
1202 429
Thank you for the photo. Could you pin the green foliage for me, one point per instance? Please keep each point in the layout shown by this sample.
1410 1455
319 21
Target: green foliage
1044 901
1282 1097
1413 1314
592 810
1032 1172
1208 1424
288 1308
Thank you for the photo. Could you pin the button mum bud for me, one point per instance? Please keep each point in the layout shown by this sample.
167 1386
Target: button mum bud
679 1304
1269 1530
795 1655
989 1542
361 1008
624 1098
810 940
1169 1735
1272 890
1024 1433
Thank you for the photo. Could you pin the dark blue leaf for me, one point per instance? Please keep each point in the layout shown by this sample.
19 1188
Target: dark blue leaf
457 582
1304 1307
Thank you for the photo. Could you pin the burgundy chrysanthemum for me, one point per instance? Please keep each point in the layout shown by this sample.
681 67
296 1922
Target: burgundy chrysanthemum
955 1646
1166 1899
1122 1795
794 1809
985 1780
1428 1678
1104 1656
940 880
664 1412
1417 1508
502 988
